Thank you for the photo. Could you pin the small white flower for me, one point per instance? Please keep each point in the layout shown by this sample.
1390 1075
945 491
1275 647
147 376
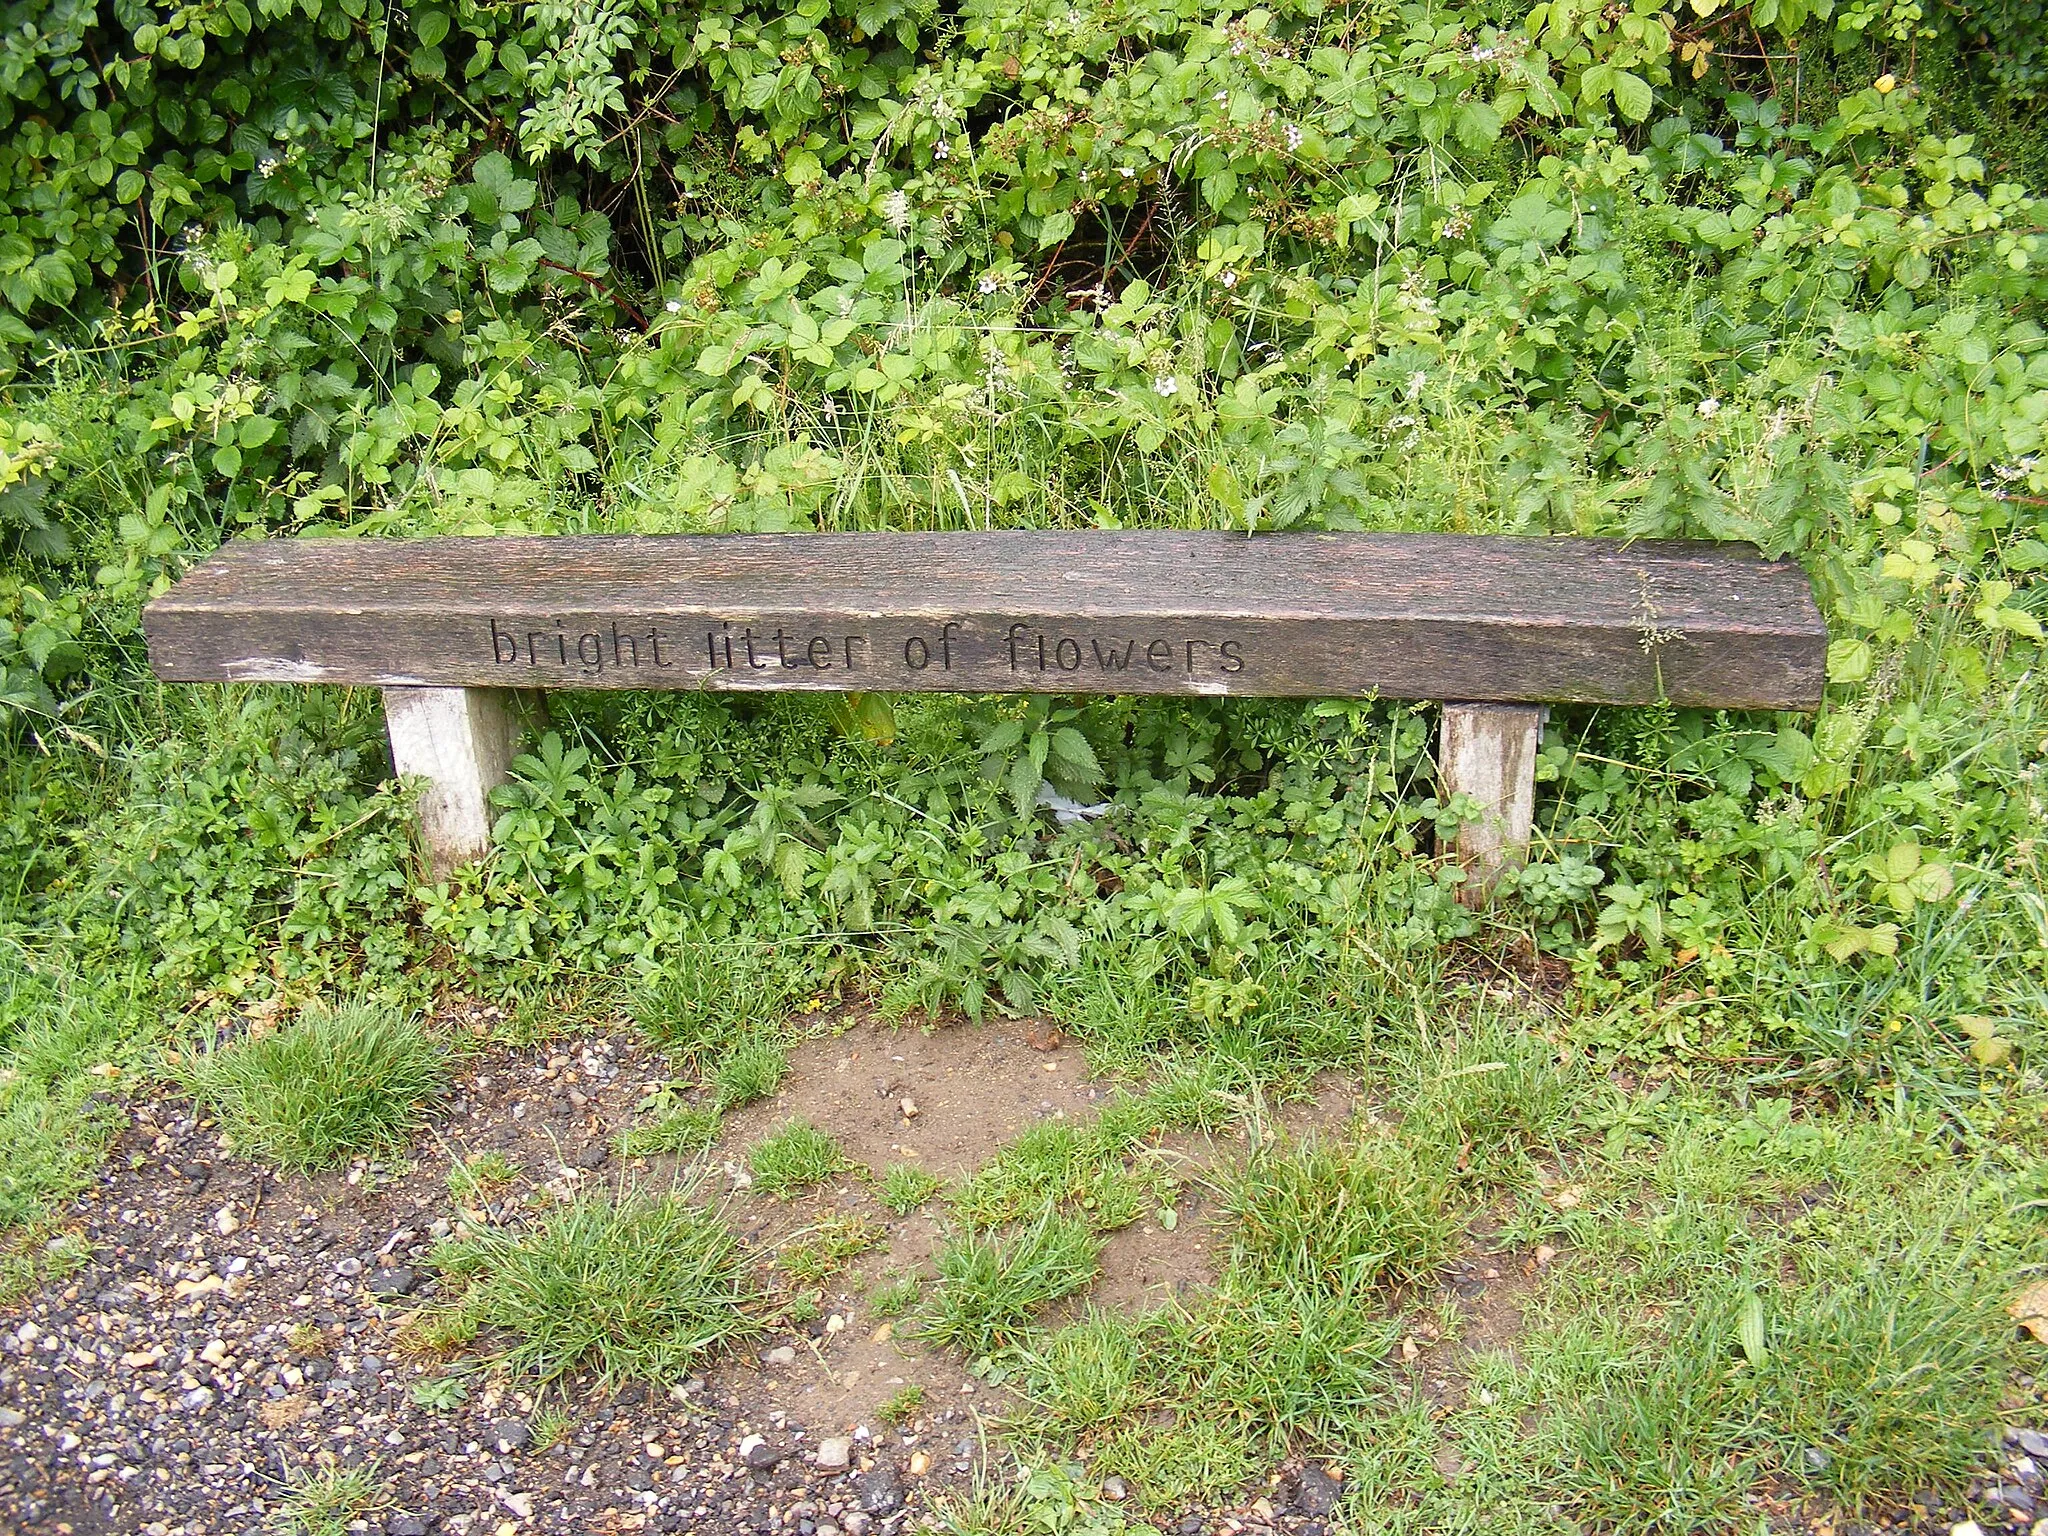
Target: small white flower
1417 381
1709 408
1166 384
939 150
1293 137
988 283
267 167
1230 277
1222 97
896 210
1126 172
1482 55
674 306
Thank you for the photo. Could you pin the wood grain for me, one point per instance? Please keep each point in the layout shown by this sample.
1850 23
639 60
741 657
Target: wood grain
1425 616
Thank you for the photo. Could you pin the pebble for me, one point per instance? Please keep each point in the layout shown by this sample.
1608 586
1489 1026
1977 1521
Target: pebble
12 1418
782 1354
511 1435
881 1490
834 1454
1319 1492
399 1280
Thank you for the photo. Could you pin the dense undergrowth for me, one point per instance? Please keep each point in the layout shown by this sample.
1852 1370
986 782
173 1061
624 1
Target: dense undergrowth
1771 272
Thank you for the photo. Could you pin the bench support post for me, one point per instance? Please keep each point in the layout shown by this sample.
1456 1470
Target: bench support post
460 740
1488 752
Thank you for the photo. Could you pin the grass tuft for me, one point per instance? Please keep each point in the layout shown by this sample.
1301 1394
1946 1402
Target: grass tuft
674 1134
479 1176
796 1157
991 1285
633 1288
1330 1217
327 1502
822 1251
905 1188
752 1070
333 1083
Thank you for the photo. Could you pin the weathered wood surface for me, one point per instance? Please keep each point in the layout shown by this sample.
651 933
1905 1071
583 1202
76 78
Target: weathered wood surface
1488 751
461 741
1316 614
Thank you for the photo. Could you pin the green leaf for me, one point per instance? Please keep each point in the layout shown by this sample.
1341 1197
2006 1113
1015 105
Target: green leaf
1751 1329
1633 96
430 27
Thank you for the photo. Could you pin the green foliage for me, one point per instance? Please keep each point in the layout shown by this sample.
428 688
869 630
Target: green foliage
334 1082
795 1157
904 1188
893 1298
631 1289
822 1251
479 1176
328 1501
1556 269
440 1394
990 1285
750 1071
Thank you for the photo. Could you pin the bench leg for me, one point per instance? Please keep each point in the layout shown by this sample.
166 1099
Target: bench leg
1489 753
460 740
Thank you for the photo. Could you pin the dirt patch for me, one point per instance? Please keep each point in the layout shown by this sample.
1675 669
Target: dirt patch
967 1090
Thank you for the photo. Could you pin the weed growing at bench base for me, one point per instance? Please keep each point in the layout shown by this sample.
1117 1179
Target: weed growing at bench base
635 1287
335 1082
991 1285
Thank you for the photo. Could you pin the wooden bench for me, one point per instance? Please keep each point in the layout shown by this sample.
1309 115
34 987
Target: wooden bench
1492 626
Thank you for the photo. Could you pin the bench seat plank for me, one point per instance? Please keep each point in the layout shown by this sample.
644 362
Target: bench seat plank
1158 612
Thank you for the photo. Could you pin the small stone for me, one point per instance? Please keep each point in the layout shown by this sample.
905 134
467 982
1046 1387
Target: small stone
835 1324
2033 1442
215 1353
511 1435
1966 1528
1544 1254
757 1453
883 1334
1318 1493
405 1525
781 1354
28 1333
920 1463
12 1418
834 1454
225 1222
399 1280
349 1268
198 1398
520 1504
1115 1489
909 1107
881 1490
